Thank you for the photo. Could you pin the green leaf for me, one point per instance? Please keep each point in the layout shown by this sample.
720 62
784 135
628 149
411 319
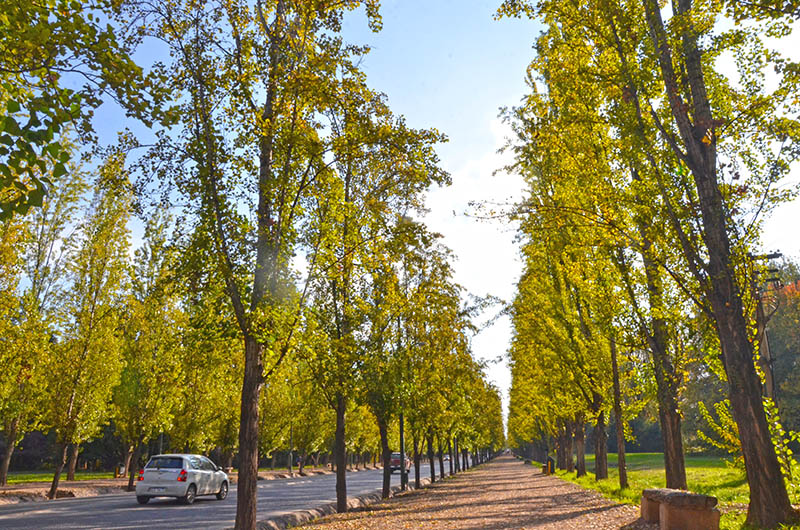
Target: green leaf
36 196
12 106
59 170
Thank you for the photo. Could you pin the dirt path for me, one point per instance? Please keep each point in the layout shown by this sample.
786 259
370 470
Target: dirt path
502 494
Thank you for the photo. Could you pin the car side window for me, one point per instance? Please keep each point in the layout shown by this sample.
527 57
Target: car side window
208 465
196 463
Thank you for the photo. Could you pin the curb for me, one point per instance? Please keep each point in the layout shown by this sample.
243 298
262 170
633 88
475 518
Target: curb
234 478
280 522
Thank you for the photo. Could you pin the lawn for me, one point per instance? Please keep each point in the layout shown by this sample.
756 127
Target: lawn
707 475
17 477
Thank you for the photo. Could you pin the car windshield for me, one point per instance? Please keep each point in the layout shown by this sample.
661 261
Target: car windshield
165 462
395 455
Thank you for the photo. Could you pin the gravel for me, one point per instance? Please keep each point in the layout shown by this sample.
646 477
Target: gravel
504 493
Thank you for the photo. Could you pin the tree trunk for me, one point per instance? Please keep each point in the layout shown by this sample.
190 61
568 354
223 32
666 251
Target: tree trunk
137 452
417 459
340 455
619 420
568 448
72 463
450 454
11 444
6 462
431 460
580 447
227 460
668 380
769 502
386 458
456 455
561 448
600 449
441 458
61 459
247 486
127 465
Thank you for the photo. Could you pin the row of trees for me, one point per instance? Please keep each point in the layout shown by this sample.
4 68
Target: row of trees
282 285
648 170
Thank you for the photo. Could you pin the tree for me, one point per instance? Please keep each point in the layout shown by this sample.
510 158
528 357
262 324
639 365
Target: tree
145 401
696 146
87 358
24 342
52 47
44 236
284 56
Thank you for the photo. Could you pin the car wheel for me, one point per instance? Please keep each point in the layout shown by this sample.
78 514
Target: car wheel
223 491
142 499
191 493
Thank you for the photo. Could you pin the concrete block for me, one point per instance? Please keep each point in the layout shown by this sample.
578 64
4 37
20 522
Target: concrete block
684 518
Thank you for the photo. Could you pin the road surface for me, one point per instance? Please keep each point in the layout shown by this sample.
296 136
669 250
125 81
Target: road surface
275 497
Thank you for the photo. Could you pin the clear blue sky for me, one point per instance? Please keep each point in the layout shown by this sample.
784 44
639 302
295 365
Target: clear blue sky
447 64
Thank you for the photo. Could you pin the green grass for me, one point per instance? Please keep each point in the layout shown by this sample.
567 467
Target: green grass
707 475
18 477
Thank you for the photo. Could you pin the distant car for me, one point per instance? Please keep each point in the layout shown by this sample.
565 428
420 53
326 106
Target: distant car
394 463
446 458
181 476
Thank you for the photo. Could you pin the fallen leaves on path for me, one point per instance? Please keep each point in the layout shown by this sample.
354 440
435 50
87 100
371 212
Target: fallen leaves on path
502 494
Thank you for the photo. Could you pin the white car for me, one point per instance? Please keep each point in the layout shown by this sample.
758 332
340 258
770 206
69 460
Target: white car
181 476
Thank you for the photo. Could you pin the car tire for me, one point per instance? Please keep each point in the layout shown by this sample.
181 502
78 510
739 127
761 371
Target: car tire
191 494
223 491
142 499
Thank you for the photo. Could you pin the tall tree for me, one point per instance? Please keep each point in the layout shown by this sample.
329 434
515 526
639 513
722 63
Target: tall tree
253 144
693 118
44 236
24 346
87 358
382 167
145 401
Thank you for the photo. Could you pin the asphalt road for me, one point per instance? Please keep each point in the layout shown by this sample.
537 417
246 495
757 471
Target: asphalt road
275 497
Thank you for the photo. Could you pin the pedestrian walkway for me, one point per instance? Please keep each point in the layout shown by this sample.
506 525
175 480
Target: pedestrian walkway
502 494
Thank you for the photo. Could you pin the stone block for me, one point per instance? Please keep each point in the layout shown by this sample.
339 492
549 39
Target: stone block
650 510
674 517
